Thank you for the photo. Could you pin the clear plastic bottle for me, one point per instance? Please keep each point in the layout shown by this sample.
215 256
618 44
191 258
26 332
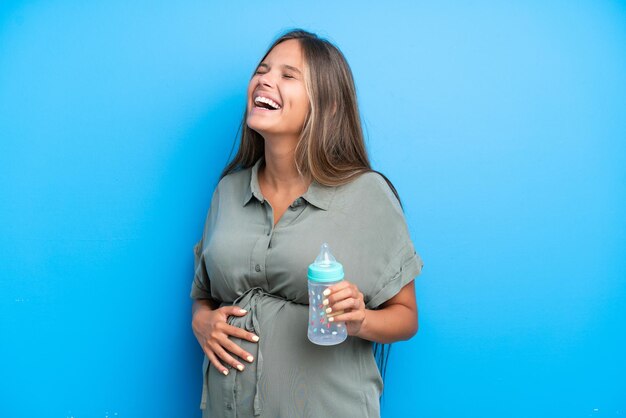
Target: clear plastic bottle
322 274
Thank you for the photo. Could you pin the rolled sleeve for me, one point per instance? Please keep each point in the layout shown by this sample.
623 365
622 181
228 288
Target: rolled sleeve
403 269
201 285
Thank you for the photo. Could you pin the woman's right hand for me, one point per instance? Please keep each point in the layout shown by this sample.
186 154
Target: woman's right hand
212 331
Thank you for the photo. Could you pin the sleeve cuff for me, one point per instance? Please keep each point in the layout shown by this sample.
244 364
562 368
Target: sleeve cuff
410 268
200 287
199 292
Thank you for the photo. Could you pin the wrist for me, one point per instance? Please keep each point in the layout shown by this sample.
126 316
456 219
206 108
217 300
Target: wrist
362 333
201 305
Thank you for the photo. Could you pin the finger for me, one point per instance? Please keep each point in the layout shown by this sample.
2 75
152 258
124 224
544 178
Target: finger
330 313
222 339
346 304
215 362
339 295
237 351
337 287
233 310
353 316
239 333
226 357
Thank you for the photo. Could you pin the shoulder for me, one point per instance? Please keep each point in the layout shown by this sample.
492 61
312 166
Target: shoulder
235 179
230 189
371 189
235 183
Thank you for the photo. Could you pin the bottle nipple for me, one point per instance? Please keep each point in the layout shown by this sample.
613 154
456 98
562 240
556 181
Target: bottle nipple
325 268
325 257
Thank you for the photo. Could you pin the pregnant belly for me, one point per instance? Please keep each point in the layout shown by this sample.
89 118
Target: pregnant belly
291 375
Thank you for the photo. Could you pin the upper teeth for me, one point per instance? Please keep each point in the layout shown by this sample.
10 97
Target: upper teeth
265 100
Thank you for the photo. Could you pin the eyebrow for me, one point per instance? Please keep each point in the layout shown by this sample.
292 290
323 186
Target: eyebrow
294 69
285 66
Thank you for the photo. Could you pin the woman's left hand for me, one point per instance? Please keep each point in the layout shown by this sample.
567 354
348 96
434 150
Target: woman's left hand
344 303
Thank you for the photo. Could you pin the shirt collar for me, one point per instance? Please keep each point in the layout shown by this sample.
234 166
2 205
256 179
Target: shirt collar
317 195
253 189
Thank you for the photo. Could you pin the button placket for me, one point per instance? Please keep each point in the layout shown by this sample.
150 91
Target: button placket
269 217
259 252
293 212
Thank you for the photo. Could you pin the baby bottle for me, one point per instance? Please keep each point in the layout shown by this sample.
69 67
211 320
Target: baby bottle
322 274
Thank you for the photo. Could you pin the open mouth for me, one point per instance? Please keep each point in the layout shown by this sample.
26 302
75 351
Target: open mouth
266 103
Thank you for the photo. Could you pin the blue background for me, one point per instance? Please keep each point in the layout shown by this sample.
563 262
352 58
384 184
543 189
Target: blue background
502 124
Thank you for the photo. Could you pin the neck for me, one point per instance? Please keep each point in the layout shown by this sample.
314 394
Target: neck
280 173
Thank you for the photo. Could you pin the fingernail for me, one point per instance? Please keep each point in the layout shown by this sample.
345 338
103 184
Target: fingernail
240 367
225 372
242 311
325 302
250 358
331 319
329 310
326 292
255 338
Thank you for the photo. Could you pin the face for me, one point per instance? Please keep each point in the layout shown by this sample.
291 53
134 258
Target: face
277 99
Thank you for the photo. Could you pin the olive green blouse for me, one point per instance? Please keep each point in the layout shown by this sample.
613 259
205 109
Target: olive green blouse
246 260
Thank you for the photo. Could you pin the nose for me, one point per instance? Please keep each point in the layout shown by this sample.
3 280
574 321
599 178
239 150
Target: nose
266 79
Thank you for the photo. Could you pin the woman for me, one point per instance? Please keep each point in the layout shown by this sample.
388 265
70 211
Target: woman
301 177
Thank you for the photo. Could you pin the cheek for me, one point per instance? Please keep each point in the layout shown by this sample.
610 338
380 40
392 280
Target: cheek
306 108
251 86
303 103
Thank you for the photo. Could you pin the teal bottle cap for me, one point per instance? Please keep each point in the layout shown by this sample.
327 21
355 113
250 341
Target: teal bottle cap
325 269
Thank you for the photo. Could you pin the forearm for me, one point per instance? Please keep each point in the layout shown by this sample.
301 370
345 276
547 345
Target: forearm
199 304
390 324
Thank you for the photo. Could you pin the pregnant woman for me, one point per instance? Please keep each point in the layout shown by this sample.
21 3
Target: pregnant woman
301 177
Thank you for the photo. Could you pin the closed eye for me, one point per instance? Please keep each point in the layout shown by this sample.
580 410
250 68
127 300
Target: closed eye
261 69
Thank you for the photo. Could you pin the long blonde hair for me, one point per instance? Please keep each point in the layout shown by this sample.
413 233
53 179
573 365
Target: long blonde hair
331 149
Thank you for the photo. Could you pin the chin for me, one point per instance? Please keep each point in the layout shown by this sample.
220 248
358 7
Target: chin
255 125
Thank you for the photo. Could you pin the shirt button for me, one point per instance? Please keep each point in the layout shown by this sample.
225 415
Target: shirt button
296 204
257 268
229 406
